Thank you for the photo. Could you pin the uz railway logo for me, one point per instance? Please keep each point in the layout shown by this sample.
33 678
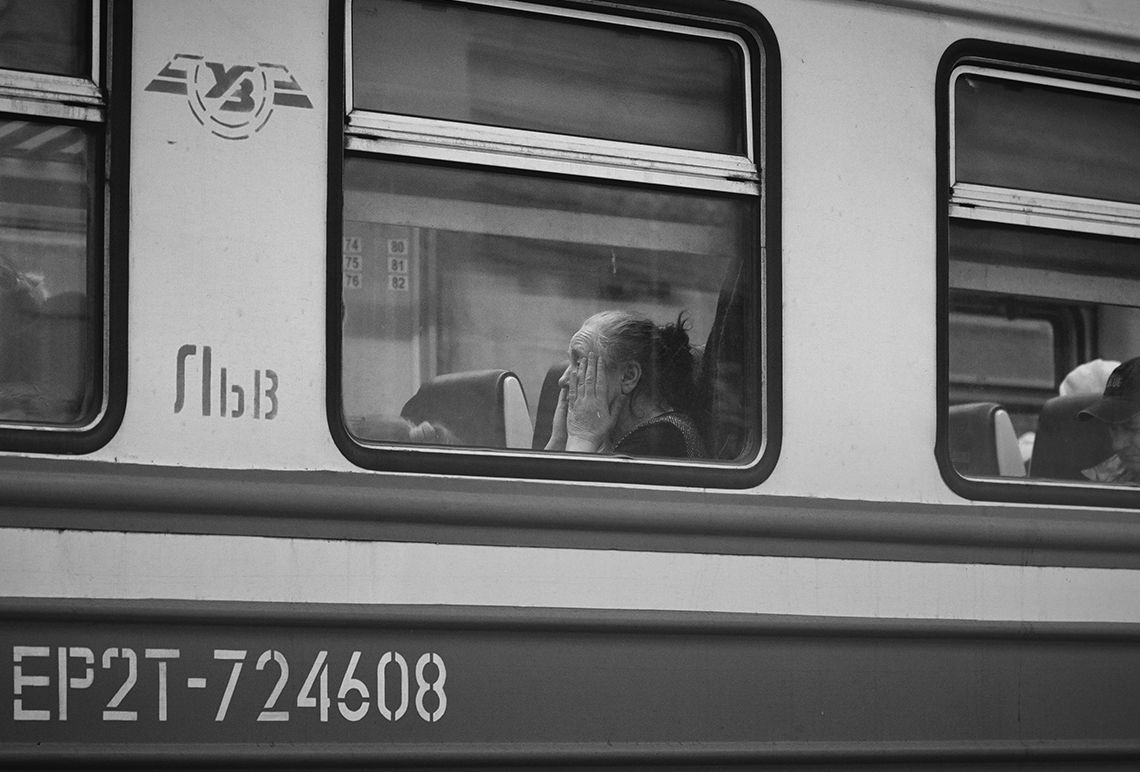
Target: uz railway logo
233 101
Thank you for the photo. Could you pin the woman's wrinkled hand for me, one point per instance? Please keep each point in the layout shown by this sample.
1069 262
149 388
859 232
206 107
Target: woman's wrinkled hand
428 433
558 426
589 415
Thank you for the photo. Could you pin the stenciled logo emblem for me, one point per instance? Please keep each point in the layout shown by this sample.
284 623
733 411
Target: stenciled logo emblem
232 101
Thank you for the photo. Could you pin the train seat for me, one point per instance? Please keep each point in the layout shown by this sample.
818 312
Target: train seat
983 442
547 402
484 408
1064 445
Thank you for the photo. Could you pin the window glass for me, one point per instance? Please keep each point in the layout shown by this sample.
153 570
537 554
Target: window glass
1044 292
1016 134
47 355
46 36
459 270
553 74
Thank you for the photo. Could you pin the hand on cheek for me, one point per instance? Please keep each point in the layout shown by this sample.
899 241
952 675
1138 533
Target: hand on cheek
590 414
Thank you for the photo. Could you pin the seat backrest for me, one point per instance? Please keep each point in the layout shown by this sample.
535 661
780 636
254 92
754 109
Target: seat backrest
983 442
727 389
485 408
1064 445
547 403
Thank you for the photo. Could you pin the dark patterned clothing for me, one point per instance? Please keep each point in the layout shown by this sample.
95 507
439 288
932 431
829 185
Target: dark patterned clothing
669 435
1112 470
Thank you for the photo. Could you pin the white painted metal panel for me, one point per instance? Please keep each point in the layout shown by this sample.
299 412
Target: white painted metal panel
118 565
228 234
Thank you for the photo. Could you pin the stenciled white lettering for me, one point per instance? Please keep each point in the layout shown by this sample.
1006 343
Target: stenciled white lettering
20 681
40 673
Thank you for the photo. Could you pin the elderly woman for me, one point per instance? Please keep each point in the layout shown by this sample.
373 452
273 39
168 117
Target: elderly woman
628 389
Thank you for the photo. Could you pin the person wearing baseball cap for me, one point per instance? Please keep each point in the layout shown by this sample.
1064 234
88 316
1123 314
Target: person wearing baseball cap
1119 408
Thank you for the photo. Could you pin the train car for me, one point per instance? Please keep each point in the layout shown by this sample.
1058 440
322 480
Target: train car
315 453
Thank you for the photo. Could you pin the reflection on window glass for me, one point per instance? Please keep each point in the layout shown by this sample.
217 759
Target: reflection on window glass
463 290
47 351
529 71
1032 137
988 351
46 36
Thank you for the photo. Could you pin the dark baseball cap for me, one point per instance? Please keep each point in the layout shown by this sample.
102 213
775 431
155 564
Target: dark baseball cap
1121 398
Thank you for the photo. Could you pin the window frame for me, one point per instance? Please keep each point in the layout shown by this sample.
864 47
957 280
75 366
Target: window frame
552 156
968 202
88 102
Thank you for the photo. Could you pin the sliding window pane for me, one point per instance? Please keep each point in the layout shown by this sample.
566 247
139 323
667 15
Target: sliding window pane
1029 136
46 36
548 73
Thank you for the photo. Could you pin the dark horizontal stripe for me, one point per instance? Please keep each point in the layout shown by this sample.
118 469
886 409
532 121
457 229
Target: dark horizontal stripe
538 619
291 100
167 86
54 493
658 755
28 190
287 85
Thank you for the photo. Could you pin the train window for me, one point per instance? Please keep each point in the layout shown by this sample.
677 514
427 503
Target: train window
52 132
533 167
1042 279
